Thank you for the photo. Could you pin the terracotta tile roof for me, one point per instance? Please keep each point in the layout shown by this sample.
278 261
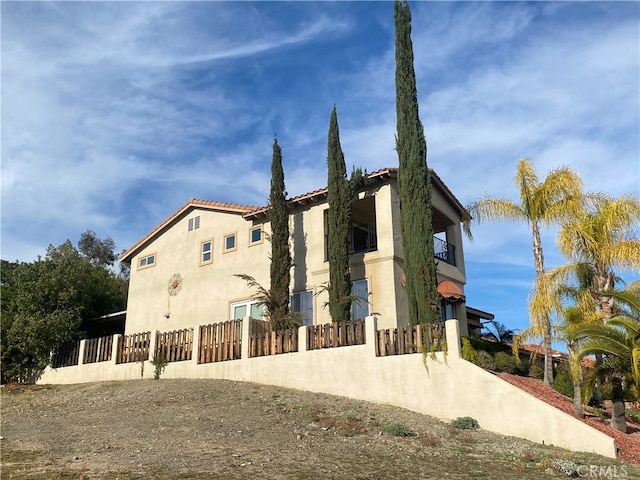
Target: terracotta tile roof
188 205
250 211
588 362
380 175
539 349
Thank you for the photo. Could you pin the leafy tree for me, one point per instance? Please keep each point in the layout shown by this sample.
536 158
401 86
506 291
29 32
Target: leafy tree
414 183
99 252
541 203
618 342
44 302
280 270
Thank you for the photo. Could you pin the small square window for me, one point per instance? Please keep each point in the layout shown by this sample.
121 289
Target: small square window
147 261
255 235
194 223
206 255
230 242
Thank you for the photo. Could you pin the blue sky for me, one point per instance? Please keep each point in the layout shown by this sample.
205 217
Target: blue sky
115 113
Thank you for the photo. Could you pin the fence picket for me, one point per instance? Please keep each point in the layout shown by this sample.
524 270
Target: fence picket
218 342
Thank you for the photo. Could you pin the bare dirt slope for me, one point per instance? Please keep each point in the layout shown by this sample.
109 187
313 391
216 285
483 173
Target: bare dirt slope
230 430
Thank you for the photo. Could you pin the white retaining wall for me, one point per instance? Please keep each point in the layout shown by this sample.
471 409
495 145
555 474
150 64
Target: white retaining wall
446 386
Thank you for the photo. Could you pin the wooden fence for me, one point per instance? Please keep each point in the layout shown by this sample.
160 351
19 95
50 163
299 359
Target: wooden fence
176 346
223 341
220 341
335 334
66 356
410 339
98 349
273 342
134 347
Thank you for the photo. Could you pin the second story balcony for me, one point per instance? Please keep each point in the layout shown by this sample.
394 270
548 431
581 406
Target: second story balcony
444 251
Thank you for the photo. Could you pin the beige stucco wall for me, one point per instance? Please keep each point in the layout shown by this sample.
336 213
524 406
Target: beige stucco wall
208 290
446 387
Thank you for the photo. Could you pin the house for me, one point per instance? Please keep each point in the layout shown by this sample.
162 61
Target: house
184 271
476 320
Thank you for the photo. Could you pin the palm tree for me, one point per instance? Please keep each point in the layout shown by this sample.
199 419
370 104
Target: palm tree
574 306
541 203
618 341
500 332
603 238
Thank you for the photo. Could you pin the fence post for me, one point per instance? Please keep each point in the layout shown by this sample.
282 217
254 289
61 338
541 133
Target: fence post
452 329
245 340
195 346
117 338
302 339
370 328
83 344
153 341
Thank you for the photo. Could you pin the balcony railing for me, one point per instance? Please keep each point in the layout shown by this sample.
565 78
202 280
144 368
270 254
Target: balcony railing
444 251
363 238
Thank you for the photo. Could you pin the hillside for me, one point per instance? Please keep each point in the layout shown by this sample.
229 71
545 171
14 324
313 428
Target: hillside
221 429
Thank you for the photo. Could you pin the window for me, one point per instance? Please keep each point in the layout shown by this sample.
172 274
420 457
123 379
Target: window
230 242
147 261
302 302
194 223
360 306
446 310
363 235
206 252
252 308
255 235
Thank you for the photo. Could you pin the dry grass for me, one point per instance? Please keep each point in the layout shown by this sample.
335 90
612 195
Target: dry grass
202 429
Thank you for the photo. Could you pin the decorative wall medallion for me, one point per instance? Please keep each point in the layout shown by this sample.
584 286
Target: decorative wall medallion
175 284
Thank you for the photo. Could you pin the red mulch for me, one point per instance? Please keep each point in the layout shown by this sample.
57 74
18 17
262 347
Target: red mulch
628 444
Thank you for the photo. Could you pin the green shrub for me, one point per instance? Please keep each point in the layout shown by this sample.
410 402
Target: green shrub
606 391
491 347
600 413
564 384
536 372
510 364
486 361
159 362
468 352
398 430
465 423
634 415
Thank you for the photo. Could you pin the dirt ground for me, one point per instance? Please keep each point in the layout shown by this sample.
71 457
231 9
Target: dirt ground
146 429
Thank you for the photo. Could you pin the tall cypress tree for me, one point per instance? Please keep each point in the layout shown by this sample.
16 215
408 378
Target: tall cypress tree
280 275
414 184
339 221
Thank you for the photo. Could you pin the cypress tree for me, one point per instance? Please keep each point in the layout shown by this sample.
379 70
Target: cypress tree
278 215
339 222
414 184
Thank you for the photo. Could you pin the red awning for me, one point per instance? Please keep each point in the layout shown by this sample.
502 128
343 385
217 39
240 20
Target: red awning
450 291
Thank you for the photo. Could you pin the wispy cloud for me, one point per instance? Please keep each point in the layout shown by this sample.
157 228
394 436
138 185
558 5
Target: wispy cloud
115 113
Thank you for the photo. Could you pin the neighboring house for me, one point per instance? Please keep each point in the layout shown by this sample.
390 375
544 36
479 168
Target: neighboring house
183 271
476 321
534 355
